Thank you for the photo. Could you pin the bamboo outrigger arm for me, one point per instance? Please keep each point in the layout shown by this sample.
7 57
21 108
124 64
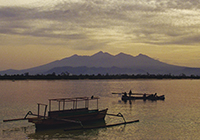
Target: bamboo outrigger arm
118 115
30 113
132 93
101 126
19 119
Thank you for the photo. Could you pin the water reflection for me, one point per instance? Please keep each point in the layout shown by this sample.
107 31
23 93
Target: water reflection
18 132
16 129
63 133
76 134
31 133
27 133
60 133
133 101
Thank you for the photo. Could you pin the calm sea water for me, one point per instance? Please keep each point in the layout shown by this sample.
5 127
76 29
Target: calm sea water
178 117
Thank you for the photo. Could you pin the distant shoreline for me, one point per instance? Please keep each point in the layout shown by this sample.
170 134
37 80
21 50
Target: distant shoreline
53 76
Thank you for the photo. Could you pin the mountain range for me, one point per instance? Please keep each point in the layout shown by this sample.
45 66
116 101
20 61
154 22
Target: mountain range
105 63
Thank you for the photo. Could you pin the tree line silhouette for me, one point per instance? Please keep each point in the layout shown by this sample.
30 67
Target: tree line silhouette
54 76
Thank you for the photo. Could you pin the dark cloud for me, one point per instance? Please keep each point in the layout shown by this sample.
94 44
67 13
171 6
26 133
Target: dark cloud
147 21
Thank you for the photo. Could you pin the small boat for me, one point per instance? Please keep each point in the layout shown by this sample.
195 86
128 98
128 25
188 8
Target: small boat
62 117
141 96
155 97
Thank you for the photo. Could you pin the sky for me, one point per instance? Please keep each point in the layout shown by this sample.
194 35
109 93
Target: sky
36 32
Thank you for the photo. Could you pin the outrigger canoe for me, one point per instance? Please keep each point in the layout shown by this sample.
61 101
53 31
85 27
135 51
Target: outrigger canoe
150 97
69 118
142 97
65 117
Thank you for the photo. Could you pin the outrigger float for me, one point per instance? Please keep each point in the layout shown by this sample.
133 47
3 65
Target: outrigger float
140 96
70 119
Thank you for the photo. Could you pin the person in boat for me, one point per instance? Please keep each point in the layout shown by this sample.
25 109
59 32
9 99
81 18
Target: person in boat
144 95
130 92
125 94
151 95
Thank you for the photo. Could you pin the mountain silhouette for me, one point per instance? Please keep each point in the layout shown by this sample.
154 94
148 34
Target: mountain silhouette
105 63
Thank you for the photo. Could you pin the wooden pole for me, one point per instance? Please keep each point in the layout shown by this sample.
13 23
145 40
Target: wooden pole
45 110
86 103
134 93
101 126
76 104
63 104
19 119
49 105
97 104
38 110
59 105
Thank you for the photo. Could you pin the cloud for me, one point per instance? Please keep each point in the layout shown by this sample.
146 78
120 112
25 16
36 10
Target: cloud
103 21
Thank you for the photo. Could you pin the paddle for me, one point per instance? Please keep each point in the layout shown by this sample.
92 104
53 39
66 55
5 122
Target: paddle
133 93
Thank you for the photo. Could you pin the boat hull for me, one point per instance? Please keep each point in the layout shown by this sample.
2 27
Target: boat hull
58 121
124 98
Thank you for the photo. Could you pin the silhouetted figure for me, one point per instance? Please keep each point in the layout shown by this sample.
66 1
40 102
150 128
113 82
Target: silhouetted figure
130 92
144 96
92 97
